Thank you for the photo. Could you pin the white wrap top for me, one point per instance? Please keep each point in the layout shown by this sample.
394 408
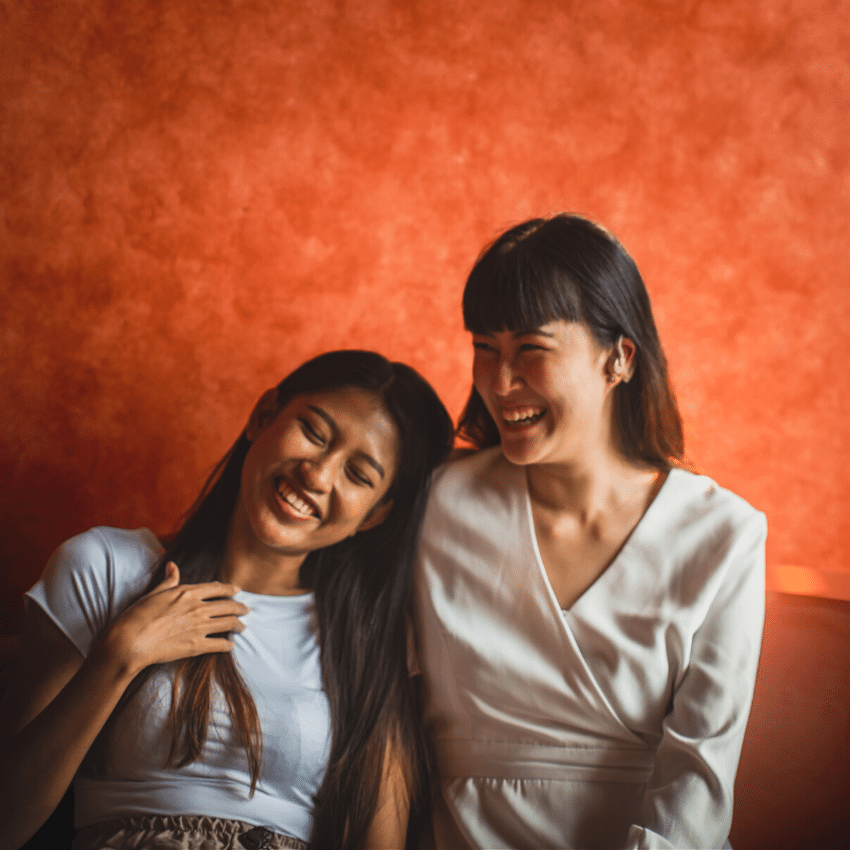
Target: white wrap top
616 723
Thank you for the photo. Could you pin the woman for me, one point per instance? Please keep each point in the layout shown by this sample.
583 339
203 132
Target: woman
589 614
245 685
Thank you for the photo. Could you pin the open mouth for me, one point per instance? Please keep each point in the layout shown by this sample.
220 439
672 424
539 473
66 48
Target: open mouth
299 504
519 416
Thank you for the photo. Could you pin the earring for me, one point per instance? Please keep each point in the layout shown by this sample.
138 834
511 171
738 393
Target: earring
616 370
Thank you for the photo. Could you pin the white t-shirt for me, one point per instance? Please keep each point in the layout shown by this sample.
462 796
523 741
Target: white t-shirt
87 583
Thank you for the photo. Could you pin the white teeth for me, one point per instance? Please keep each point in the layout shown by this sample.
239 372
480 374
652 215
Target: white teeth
523 414
294 500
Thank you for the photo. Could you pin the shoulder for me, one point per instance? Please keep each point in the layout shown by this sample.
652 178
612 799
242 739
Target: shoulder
474 487
477 503
101 569
92 577
703 535
474 471
699 503
103 549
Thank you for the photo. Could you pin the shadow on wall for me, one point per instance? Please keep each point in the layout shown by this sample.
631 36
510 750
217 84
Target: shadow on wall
792 788
69 496
109 480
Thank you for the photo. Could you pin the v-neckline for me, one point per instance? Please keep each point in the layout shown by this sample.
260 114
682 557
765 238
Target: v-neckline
651 509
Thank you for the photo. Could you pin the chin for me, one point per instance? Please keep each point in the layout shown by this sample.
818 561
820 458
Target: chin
520 455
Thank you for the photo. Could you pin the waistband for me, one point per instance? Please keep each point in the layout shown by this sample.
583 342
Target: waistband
181 832
513 760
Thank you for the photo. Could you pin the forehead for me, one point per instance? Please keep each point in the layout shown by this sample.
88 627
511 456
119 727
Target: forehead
355 414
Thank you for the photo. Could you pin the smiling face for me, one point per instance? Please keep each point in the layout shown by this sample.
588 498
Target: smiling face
316 471
547 389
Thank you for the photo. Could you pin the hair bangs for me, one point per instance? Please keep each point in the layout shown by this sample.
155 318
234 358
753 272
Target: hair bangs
516 289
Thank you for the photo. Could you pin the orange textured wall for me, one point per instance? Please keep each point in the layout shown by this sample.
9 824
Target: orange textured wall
199 195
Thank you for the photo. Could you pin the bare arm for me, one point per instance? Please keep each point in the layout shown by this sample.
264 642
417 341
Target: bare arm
57 702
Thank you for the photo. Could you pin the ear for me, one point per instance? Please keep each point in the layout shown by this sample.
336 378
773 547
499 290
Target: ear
621 360
376 516
263 413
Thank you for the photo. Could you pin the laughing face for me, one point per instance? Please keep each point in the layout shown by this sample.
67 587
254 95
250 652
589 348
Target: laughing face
316 471
547 390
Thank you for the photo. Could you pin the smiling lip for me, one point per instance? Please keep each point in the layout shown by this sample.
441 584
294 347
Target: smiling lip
296 500
518 417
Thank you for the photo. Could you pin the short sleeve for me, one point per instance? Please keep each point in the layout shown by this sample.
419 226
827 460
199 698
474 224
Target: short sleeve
91 578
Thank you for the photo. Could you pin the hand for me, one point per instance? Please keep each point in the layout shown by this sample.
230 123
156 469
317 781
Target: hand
174 621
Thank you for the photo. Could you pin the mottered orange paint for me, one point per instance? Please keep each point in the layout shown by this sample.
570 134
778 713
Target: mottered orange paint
197 196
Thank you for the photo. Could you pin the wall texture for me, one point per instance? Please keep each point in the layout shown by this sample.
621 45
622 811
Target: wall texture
196 196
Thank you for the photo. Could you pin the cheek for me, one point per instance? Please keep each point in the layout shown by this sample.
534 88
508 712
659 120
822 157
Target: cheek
249 470
482 372
290 441
541 379
290 446
355 508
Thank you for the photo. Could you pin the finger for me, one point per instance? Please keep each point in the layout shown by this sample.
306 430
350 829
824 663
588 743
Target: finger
225 624
172 577
200 628
216 645
172 571
215 589
224 608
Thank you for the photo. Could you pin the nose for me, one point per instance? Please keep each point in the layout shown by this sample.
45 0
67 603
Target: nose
319 473
504 377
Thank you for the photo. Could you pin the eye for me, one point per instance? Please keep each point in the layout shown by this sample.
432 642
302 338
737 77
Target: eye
483 346
312 433
359 477
530 346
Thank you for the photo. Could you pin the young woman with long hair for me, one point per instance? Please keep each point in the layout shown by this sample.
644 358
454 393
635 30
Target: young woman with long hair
589 612
245 684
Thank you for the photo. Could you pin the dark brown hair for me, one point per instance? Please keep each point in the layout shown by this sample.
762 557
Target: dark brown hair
362 588
568 268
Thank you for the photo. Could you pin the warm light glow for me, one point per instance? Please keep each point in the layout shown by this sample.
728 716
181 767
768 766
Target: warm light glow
808 581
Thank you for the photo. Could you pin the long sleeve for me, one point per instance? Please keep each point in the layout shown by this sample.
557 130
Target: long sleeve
688 800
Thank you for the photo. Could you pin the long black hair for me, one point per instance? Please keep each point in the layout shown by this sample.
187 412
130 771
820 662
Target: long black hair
568 268
362 590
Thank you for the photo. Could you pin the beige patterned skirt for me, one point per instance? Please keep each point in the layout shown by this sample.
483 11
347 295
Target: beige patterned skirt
160 832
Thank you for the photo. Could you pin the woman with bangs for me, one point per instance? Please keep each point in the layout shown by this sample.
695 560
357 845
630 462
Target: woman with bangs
243 685
589 612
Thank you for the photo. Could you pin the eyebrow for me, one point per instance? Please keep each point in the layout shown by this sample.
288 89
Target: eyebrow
333 426
532 331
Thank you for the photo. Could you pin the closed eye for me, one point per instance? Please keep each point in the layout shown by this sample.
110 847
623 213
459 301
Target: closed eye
530 346
483 346
359 477
311 433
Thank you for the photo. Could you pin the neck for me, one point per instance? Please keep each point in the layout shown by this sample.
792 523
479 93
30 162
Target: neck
260 570
590 486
